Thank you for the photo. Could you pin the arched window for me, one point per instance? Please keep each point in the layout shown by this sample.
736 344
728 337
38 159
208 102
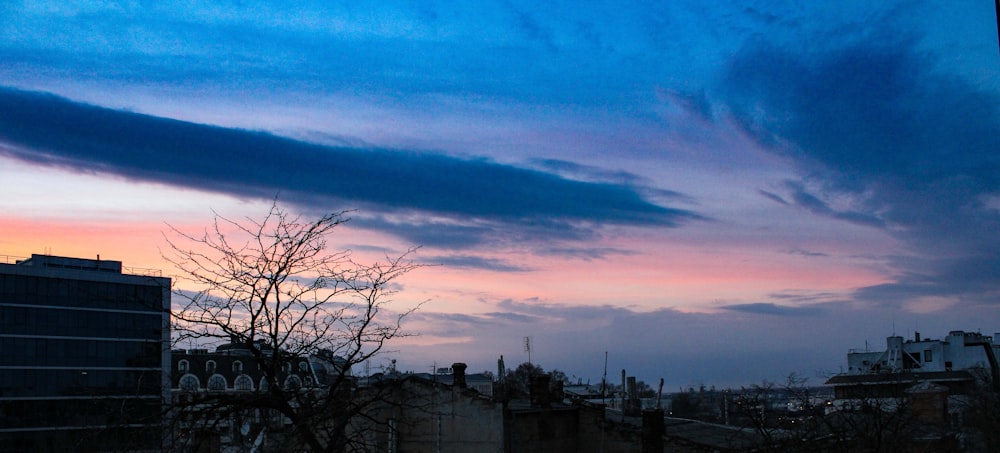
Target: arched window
237 367
303 366
217 383
293 382
263 384
190 383
309 381
243 383
210 367
183 366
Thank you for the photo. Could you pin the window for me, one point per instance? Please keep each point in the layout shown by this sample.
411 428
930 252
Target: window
217 383
263 384
210 367
190 383
293 382
183 366
243 383
928 355
303 366
237 367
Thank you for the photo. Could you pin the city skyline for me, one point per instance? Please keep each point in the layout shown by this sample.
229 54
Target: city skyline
709 193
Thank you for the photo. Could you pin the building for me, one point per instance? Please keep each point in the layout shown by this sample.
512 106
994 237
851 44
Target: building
921 389
232 376
417 413
84 355
479 382
954 362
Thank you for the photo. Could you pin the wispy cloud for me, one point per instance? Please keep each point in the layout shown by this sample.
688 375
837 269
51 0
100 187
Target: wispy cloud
893 144
586 253
767 308
773 197
475 262
806 253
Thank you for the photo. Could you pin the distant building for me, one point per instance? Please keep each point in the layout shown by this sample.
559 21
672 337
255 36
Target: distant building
440 412
479 382
954 362
84 356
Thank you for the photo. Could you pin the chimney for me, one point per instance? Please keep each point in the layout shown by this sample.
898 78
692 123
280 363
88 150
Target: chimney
458 375
632 406
652 431
916 337
539 390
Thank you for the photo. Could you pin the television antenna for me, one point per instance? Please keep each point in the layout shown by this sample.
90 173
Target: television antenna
527 348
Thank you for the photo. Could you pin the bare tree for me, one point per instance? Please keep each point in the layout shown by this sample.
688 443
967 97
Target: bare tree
273 290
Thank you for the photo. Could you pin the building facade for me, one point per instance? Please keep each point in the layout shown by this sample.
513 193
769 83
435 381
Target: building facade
960 350
84 356
955 362
218 395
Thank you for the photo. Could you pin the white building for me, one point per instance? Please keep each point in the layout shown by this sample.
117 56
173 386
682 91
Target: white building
958 351
955 362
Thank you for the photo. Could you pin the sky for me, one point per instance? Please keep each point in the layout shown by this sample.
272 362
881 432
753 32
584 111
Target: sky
714 193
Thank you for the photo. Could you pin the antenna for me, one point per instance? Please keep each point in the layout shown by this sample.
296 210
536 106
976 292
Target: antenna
604 377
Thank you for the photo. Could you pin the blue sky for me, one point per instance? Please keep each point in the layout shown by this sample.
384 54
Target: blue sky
712 193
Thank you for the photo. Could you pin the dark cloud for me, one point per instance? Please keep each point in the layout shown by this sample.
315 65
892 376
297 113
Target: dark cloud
773 197
810 202
453 234
585 253
803 297
882 134
807 253
589 173
695 104
513 317
49 130
475 262
585 172
766 308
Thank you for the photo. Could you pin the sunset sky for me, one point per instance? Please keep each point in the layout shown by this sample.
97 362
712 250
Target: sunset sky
711 192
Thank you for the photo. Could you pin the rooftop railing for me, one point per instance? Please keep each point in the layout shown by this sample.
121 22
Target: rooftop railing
144 271
11 259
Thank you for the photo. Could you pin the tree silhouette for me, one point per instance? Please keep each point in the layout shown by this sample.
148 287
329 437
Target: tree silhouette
272 287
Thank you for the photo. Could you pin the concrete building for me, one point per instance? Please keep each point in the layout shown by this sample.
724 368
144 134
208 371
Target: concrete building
954 362
84 355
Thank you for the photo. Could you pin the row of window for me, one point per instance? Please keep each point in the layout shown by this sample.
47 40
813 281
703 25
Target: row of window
17 351
79 323
79 412
218 383
20 289
184 366
23 383
112 438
